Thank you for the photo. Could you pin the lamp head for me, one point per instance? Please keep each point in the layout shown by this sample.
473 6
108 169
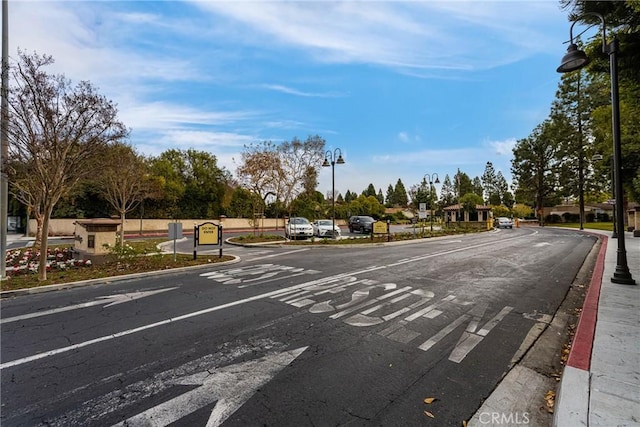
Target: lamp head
326 163
437 181
340 160
573 60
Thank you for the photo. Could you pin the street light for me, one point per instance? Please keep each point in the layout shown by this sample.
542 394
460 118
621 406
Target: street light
431 182
574 60
330 160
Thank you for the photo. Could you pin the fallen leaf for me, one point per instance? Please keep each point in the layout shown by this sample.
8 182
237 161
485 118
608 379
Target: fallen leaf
429 414
429 400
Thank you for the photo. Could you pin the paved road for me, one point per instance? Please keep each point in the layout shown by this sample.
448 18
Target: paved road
290 336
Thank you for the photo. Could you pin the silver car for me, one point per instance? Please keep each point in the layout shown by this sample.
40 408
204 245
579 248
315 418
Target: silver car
298 226
504 222
323 227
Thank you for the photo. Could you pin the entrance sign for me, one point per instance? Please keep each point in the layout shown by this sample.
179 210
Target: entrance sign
380 227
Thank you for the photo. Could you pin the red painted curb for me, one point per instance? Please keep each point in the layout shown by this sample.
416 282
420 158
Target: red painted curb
580 354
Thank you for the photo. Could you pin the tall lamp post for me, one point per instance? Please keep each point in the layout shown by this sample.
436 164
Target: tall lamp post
330 160
431 182
574 60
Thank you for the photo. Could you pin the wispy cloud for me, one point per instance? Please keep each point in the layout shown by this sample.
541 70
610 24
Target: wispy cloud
418 35
292 91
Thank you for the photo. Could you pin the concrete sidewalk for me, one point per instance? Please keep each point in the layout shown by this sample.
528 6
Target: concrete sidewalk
601 382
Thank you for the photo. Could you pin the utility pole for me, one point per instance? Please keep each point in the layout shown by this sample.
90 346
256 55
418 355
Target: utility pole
4 141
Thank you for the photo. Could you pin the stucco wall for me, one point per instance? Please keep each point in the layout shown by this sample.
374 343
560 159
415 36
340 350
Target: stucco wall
66 227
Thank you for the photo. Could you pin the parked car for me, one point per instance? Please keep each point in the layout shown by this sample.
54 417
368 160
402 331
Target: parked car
361 223
298 227
504 222
322 228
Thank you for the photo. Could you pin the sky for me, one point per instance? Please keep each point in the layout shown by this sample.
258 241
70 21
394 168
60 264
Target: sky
402 89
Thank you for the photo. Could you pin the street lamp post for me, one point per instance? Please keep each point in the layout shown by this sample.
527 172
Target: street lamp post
574 60
330 160
431 182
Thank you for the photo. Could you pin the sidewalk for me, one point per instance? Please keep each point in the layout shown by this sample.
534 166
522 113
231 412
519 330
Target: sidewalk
601 382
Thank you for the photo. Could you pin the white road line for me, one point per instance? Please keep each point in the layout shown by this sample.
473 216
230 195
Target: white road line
61 350
443 333
279 254
106 301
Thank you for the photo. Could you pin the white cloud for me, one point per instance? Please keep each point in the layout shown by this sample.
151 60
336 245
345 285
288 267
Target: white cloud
396 33
503 148
297 92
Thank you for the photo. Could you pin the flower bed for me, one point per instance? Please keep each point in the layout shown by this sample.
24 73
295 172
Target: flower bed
26 261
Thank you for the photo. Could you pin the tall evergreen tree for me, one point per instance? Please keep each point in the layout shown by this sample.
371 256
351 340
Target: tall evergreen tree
535 165
490 185
447 192
477 187
390 199
401 198
370 191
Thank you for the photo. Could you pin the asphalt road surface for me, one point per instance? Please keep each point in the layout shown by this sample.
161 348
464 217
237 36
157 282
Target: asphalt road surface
290 336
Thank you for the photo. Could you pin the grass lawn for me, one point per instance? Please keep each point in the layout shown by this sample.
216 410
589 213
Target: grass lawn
607 226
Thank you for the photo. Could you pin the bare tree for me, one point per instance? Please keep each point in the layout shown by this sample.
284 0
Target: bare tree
56 129
261 169
124 180
284 170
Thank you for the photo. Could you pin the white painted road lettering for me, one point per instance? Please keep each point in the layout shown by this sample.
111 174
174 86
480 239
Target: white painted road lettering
282 292
355 301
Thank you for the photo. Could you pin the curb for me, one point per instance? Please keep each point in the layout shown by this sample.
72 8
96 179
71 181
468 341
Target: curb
580 354
572 402
110 279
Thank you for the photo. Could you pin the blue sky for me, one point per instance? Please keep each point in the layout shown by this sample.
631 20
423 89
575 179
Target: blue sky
402 88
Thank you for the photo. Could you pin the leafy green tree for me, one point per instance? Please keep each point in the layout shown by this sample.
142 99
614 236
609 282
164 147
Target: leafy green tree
192 185
380 196
535 165
623 23
366 205
470 201
243 203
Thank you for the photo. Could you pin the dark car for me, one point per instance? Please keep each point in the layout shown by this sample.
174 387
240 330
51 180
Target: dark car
363 224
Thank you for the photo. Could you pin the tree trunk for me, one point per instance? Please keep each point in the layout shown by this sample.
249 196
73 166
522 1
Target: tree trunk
42 267
122 218
38 234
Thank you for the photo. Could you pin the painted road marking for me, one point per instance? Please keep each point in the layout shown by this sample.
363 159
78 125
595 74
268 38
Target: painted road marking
264 273
229 387
108 301
284 291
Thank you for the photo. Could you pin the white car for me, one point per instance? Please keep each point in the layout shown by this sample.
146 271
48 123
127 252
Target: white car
504 222
298 227
322 228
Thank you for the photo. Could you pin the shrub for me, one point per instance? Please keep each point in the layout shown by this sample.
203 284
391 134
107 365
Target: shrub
27 260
